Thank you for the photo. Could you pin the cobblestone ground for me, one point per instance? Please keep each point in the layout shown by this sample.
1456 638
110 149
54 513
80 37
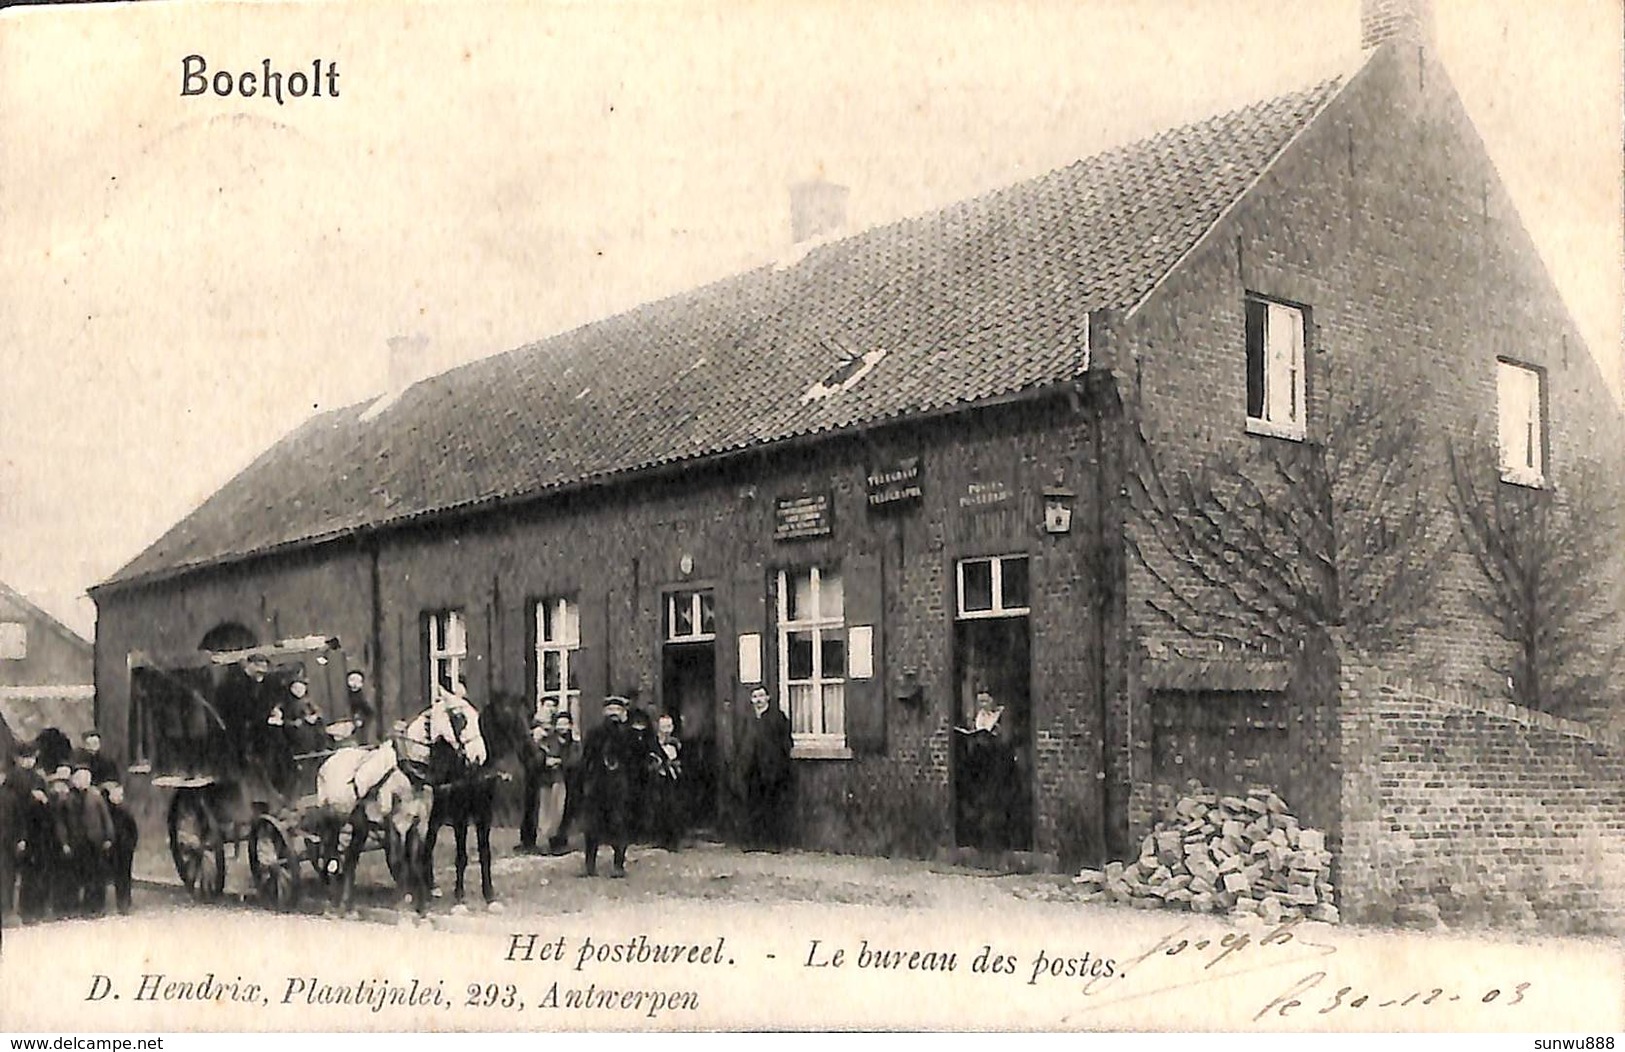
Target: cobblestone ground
699 871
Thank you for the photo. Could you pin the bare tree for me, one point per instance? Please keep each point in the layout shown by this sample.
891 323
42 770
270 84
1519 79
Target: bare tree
1546 558
1291 538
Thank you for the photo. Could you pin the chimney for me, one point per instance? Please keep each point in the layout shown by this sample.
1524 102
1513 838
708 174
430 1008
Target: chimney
817 209
408 361
1405 21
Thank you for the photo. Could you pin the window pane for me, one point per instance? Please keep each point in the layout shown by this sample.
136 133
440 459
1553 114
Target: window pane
682 614
1014 570
800 662
831 595
571 629
1283 334
834 708
456 641
1255 359
552 678
708 613
832 648
572 671
545 628
798 600
976 585
802 712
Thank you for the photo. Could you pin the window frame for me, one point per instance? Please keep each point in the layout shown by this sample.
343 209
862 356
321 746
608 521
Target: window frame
567 648
996 579
696 605
1532 476
13 632
1294 428
438 629
822 740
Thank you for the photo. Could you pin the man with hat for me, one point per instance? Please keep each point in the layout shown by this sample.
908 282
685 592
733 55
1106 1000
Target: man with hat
610 756
28 841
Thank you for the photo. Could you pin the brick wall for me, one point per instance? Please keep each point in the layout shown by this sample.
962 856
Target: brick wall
618 548
1481 810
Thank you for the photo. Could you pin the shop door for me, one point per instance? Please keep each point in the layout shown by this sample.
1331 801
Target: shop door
688 683
992 748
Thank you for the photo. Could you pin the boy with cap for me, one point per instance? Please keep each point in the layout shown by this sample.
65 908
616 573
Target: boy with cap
104 773
94 852
568 787
67 834
30 837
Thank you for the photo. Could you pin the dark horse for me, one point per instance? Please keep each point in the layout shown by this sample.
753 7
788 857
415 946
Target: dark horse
469 795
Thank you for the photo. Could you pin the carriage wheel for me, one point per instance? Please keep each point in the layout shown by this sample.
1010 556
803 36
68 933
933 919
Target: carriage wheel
197 846
274 864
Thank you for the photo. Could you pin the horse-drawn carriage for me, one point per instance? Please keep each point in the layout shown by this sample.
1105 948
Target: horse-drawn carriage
235 741
247 766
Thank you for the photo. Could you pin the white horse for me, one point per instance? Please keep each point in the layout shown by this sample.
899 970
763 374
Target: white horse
365 789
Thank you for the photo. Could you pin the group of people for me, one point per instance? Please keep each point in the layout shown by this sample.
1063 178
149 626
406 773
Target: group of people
65 835
625 780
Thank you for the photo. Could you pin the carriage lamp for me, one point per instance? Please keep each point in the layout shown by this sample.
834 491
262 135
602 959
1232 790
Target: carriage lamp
1058 509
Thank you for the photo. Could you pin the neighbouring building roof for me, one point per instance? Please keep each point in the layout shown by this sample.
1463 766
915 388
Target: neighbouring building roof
981 300
21 606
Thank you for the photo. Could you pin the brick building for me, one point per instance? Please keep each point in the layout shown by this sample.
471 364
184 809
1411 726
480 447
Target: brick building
46 673
897 468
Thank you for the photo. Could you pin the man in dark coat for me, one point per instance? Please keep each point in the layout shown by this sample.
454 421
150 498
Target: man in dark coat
764 771
610 758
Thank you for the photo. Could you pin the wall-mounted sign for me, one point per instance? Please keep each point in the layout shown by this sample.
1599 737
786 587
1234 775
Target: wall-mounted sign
895 483
803 516
984 496
750 657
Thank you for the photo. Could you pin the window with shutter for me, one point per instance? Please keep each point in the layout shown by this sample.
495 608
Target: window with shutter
1276 388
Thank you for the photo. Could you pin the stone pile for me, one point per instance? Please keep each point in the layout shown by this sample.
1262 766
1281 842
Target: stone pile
1224 854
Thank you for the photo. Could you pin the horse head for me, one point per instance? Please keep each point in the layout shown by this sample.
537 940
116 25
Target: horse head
505 725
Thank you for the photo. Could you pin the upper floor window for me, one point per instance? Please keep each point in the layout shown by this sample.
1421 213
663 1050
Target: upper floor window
1523 423
558 643
1275 369
993 587
448 647
691 617
13 641
812 655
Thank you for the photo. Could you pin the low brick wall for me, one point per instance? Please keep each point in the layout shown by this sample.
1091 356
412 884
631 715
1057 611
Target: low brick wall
1477 812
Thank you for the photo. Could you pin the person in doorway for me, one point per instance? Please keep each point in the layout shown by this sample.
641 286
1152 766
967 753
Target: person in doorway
764 772
569 783
610 758
989 771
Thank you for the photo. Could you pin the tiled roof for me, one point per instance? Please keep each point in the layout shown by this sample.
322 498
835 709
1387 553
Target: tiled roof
982 299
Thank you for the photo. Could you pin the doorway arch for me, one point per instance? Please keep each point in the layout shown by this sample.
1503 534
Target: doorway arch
228 635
